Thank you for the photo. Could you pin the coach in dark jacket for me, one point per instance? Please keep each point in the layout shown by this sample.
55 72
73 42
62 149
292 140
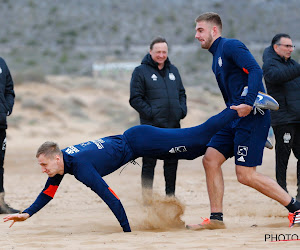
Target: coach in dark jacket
282 78
157 94
7 97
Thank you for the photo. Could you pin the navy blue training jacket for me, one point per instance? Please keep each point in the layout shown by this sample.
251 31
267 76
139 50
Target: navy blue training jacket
234 68
89 162
7 94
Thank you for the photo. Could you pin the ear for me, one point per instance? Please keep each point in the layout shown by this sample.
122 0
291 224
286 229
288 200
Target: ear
275 47
215 31
57 157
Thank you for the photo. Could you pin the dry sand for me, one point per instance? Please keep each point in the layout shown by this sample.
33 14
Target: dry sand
78 219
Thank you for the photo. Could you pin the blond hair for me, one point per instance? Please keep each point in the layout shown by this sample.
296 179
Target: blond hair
48 149
210 17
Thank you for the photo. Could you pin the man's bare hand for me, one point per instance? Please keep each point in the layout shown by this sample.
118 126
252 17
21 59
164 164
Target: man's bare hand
16 217
242 109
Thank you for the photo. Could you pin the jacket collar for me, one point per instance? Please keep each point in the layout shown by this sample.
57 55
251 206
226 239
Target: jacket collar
271 53
149 61
214 46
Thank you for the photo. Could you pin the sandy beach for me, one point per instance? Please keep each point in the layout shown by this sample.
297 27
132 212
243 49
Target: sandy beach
78 219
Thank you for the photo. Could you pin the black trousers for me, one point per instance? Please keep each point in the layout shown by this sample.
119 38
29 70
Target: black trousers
287 139
170 170
2 155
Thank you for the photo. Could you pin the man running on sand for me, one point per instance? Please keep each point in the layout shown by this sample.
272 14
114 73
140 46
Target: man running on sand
235 68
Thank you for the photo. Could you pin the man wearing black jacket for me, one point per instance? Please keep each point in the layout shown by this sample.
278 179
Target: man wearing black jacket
157 94
7 97
282 78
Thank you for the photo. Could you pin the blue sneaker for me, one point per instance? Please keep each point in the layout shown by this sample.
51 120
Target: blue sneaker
263 100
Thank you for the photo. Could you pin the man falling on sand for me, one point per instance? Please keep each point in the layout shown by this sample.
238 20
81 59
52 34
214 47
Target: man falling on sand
92 160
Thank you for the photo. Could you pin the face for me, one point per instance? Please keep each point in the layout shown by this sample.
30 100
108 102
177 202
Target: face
205 34
159 53
50 165
284 47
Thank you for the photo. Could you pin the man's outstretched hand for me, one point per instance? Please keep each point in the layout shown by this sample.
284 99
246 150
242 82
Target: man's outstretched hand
242 109
16 217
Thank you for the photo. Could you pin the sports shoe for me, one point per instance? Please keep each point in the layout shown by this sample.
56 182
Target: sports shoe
207 224
270 139
294 219
6 209
263 100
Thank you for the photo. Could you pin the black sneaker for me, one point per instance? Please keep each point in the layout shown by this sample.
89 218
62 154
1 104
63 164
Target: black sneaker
6 209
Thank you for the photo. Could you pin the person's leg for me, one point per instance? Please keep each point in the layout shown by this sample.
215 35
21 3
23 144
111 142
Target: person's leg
264 184
212 162
170 170
282 151
2 154
186 143
296 151
148 172
147 177
4 207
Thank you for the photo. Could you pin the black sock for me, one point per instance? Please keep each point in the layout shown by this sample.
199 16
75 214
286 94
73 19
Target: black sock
216 216
293 206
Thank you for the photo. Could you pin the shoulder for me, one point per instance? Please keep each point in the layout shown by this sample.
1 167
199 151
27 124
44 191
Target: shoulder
2 61
173 68
232 44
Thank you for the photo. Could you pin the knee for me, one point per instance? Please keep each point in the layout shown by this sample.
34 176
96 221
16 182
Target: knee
210 163
243 178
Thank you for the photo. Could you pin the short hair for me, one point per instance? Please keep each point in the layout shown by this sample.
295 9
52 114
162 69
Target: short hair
211 17
158 39
277 38
49 149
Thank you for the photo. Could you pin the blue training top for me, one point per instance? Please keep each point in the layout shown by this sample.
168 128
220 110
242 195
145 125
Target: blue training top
89 162
234 68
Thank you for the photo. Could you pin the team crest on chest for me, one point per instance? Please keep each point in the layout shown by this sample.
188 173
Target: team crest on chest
220 62
172 77
154 77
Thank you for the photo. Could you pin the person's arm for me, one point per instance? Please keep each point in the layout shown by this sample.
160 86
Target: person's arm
138 93
278 73
241 56
92 179
9 93
182 96
44 197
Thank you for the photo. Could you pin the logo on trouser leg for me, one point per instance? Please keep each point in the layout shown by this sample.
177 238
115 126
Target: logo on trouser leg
4 144
287 137
242 151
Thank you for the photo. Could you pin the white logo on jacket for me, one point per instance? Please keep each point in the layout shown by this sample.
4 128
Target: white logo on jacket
172 77
220 62
0 70
154 77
